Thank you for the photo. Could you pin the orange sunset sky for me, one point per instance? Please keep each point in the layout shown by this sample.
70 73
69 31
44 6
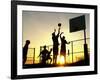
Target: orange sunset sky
38 27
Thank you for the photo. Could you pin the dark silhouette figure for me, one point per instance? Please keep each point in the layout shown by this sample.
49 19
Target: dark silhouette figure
49 56
55 45
25 50
63 46
43 55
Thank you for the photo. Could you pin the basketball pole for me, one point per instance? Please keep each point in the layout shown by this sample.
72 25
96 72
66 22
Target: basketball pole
86 58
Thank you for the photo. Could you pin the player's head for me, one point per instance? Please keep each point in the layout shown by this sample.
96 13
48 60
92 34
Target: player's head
27 41
63 37
53 34
44 46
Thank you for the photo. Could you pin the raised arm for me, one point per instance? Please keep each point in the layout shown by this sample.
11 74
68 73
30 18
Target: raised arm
58 31
50 50
67 42
59 25
61 34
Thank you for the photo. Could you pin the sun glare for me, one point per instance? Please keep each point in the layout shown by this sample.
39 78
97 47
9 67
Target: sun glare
60 60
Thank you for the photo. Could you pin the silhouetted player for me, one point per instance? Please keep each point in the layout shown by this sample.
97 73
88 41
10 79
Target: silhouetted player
49 56
25 50
43 55
63 46
55 44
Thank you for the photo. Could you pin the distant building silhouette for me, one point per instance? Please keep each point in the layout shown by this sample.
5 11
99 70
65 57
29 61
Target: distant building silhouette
25 50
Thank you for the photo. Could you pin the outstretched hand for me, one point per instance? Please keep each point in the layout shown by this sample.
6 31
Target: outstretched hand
68 42
62 32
